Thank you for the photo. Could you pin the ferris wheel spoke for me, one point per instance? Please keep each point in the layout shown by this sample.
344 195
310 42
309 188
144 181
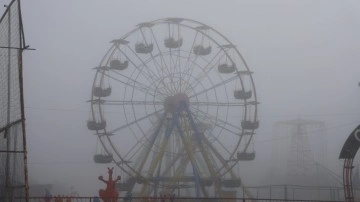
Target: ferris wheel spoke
144 89
222 145
160 52
205 71
201 138
138 142
170 55
137 84
197 79
149 74
193 61
108 152
151 54
188 59
160 72
217 155
165 66
217 139
146 143
215 86
130 102
192 90
179 172
177 63
151 143
225 128
175 67
189 72
132 80
179 60
148 69
156 162
218 120
207 68
224 125
190 155
135 121
172 72
218 104
210 165
248 143
191 49
118 154
179 156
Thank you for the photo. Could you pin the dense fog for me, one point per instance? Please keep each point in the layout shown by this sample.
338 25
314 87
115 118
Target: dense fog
303 55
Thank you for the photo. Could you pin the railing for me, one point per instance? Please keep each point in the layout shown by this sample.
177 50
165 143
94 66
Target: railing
153 199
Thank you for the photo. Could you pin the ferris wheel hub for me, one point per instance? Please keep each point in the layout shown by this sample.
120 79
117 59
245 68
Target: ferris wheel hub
172 103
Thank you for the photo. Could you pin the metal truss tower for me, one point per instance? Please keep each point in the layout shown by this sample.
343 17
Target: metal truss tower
300 156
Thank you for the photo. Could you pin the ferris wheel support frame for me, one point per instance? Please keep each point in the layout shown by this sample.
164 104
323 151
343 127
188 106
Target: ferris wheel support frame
207 158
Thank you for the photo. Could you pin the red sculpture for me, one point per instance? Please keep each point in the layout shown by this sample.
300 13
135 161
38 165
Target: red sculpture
109 194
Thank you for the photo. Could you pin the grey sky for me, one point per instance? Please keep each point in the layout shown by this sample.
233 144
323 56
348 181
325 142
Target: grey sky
304 54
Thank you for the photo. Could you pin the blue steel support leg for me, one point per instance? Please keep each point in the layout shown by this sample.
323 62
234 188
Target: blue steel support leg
196 172
195 169
168 132
155 134
193 125
195 128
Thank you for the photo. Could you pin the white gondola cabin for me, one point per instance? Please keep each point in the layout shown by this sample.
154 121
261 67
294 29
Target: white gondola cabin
245 156
144 49
118 65
172 43
103 158
249 125
93 125
226 68
242 94
101 92
200 50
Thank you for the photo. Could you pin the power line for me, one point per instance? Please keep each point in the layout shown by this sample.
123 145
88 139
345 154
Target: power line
56 109
60 162
69 110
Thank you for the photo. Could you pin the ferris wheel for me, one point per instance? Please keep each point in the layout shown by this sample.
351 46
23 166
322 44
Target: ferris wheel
174 106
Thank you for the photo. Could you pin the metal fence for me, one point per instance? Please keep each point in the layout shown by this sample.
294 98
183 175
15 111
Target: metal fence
292 192
153 199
